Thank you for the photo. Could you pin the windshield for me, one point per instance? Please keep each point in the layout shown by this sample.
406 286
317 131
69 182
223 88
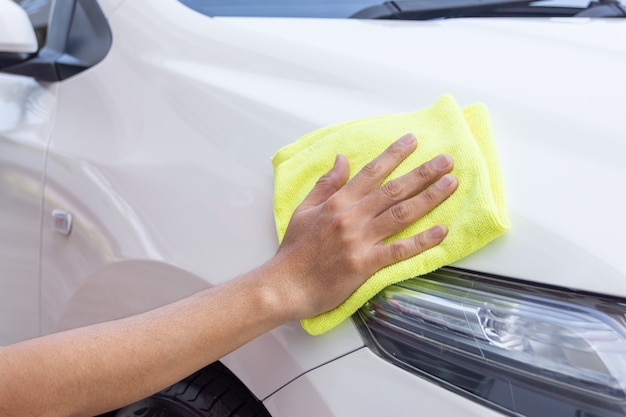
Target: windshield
281 8
404 9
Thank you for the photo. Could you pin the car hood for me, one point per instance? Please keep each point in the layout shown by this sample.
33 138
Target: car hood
556 96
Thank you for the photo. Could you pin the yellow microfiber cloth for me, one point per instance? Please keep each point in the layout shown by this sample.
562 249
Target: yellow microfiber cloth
475 214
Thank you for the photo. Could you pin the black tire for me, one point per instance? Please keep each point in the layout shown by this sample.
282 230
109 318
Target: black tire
211 392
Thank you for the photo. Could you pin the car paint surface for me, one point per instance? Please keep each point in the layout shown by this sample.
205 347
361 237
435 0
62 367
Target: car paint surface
162 151
362 384
27 112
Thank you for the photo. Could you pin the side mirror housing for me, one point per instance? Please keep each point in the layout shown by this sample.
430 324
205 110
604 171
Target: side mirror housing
77 38
17 35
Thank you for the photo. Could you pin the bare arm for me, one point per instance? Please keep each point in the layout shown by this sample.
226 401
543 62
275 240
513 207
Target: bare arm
335 241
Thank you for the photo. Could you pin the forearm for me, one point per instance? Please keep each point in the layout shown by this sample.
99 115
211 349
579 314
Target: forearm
119 362
334 242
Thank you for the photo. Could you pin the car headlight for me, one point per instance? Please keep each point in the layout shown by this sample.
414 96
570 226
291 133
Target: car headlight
513 346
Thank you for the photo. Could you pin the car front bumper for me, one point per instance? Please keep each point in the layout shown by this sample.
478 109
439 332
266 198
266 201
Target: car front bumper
362 384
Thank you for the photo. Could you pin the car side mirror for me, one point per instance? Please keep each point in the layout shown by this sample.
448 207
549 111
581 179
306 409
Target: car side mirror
17 36
77 38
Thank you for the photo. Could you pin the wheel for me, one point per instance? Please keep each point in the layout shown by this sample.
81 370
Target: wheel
211 392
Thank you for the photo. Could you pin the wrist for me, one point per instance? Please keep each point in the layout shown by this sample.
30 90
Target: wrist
269 298
278 291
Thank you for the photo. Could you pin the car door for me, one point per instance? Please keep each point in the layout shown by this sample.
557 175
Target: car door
29 88
27 109
26 115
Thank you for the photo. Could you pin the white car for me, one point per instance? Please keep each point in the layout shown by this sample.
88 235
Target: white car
135 169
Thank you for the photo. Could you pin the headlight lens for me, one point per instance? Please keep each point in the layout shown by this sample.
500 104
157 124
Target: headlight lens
516 347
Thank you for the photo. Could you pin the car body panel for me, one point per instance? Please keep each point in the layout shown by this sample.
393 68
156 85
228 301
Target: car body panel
27 110
161 153
361 384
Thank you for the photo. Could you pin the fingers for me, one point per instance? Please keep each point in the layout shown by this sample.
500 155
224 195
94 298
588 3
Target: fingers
409 185
396 204
372 175
328 184
402 249
402 214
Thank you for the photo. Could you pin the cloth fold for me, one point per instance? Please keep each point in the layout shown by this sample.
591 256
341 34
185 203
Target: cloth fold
475 214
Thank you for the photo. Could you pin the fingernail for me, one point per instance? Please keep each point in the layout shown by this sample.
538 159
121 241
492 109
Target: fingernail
407 139
438 232
442 161
445 182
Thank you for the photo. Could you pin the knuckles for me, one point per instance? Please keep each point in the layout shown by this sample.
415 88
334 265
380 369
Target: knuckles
326 182
352 264
430 197
399 252
421 241
333 206
343 225
400 213
393 190
424 174
373 169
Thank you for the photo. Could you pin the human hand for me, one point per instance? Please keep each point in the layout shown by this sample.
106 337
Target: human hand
336 238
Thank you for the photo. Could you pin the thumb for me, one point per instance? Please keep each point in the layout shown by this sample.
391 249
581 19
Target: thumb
328 184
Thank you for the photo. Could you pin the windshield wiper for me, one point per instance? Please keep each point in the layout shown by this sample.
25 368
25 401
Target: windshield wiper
440 9
603 8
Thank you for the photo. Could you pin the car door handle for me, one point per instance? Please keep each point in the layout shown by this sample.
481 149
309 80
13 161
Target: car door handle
61 221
